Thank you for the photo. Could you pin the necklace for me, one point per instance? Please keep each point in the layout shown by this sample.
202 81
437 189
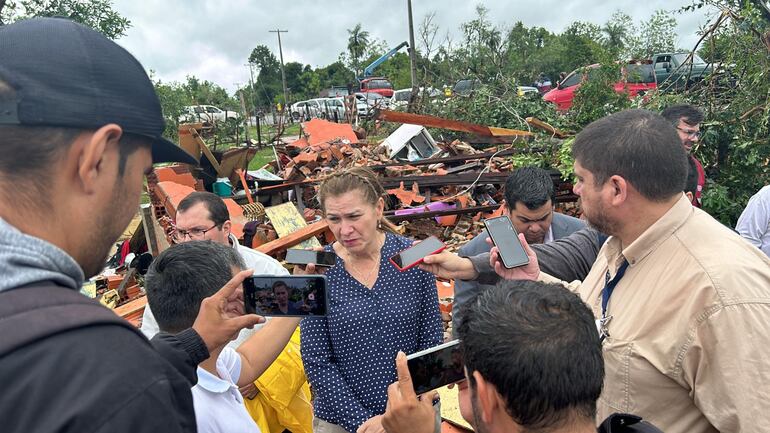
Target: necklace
366 278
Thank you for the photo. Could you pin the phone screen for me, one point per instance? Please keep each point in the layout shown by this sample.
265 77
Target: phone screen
414 254
506 239
303 257
436 367
295 295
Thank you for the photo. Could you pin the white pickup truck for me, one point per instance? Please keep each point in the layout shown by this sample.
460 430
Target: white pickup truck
206 113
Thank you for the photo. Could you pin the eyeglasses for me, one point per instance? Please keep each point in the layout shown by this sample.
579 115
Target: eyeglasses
194 234
690 133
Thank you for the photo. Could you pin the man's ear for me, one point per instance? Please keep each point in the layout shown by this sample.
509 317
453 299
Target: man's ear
91 153
227 226
487 397
689 196
618 190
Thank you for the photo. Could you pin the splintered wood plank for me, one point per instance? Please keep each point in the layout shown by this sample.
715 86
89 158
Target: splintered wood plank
292 239
453 125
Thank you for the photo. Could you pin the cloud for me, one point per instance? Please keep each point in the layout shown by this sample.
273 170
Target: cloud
212 40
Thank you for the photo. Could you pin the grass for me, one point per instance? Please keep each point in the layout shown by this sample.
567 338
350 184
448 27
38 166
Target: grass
269 131
262 157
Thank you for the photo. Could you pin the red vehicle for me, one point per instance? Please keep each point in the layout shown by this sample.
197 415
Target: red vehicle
637 79
379 85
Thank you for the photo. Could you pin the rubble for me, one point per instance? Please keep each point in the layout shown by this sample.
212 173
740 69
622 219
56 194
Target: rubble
439 188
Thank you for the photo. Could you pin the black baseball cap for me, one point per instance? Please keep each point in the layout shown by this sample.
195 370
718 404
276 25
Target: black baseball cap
68 75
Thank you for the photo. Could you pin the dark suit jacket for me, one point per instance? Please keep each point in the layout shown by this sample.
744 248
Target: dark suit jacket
562 226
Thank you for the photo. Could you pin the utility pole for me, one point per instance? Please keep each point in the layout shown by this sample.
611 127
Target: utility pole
283 74
251 92
412 57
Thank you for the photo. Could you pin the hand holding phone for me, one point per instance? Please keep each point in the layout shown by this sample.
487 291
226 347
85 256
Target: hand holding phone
436 367
324 259
414 255
506 239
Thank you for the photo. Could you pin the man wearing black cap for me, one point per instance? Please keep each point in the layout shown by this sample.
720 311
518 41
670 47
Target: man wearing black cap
80 125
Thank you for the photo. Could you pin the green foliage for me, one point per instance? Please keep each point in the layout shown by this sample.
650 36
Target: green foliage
96 14
597 97
358 41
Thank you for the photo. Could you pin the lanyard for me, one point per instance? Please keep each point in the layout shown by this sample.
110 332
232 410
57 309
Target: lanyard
609 287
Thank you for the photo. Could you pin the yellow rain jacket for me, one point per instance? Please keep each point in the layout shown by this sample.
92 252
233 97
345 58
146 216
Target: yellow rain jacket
283 402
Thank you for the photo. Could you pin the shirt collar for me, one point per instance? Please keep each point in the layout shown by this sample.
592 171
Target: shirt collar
648 241
212 383
548 235
233 240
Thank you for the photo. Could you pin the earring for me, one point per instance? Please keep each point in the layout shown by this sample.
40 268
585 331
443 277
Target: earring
379 225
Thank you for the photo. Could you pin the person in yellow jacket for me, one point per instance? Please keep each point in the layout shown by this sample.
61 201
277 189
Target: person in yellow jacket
282 400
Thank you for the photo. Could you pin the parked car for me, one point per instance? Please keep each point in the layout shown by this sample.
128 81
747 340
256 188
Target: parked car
401 97
528 91
305 110
634 79
677 70
329 106
372 101
465 87
206 113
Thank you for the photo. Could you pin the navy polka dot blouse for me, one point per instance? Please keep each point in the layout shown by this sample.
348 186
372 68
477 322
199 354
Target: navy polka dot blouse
350 355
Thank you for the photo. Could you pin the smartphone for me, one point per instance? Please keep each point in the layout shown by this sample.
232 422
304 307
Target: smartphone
289 295
436 367
413 255
304 257
506 239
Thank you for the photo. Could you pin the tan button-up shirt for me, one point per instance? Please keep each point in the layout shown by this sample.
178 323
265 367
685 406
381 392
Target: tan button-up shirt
689 339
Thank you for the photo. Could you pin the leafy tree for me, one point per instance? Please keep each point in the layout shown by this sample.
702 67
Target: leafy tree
620 36
97 14
358 41
658 34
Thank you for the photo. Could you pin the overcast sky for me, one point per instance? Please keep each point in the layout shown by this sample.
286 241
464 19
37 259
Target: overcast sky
213 39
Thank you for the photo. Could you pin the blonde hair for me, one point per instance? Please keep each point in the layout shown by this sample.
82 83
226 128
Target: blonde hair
355 179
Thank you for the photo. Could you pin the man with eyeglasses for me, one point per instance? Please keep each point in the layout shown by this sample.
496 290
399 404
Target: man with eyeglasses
204 216
686 119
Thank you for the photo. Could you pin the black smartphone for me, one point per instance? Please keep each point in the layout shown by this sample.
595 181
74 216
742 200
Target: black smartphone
413 255
436 367
506 239
290 295
304 257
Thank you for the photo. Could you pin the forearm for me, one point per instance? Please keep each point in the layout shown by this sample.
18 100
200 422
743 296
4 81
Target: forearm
184 351
486 273
262 348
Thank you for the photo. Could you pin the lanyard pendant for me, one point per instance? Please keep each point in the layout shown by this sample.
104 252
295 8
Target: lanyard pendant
602 325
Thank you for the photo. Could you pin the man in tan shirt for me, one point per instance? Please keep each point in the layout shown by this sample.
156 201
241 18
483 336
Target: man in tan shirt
686 333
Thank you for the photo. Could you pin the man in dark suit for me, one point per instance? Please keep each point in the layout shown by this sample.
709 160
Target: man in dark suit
529 202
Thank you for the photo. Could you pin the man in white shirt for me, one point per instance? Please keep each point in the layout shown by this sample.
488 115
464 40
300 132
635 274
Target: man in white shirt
754 223
177 282
204 216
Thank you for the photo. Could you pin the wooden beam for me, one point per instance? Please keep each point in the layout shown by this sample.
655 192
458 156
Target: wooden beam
206 151
288 241
543 126
150 234
453 125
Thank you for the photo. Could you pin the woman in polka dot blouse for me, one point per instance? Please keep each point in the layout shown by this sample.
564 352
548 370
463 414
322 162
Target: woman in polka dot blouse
375 310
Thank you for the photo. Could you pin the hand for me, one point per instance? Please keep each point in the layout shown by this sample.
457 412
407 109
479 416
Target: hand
530 271
249 391
219 318
372 425
450 266
404 412
310 269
